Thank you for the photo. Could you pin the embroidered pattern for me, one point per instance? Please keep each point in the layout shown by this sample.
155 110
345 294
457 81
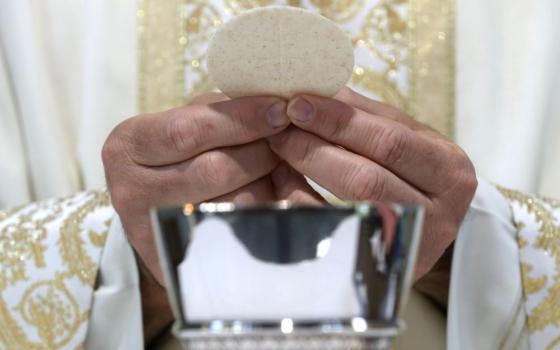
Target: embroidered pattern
48 266
538 222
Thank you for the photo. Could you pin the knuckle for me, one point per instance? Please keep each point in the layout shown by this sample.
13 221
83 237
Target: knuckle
339 121
238 110
469 179
462 173
213 169
121 196
115 145
240 113
366 184
304 147
184 133
392 144
125 142
109 152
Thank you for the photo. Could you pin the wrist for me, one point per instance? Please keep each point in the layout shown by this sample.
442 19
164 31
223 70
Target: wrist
435 284
156 311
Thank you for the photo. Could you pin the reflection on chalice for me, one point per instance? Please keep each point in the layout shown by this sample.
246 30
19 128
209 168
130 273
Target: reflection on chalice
281 276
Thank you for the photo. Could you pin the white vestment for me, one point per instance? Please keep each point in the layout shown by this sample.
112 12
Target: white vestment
69 72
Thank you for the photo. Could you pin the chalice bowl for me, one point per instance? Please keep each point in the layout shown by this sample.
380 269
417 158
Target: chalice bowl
285 276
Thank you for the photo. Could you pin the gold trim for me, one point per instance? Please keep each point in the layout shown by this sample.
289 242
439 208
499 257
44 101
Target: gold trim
160 87
554 203
547 311
512 324
71 244
432 63
517 343
48 311
552 345
383 32
532 284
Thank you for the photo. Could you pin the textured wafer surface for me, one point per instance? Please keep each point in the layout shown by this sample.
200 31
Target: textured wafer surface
280 51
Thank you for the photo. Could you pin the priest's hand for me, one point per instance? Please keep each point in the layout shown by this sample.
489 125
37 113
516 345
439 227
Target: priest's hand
213 149
360 149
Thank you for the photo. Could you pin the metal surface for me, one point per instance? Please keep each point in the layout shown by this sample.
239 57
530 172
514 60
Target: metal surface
357 258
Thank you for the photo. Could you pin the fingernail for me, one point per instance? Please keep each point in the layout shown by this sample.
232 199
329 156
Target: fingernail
277 139
280 175
276 115
300 110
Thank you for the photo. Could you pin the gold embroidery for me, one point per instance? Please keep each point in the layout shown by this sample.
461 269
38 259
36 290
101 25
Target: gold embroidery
23 240
236 6
377 84
511 325
532 285
71 244
47 305
519 337
547 312
52 310
431 67
199 20
12 335
160 55
5 214
339 10
98 238
554 203
553 344
384 33
522 242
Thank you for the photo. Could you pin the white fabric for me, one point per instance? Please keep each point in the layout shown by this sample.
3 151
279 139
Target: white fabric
115 317
70 70
67 77
486 279
13 167
508 91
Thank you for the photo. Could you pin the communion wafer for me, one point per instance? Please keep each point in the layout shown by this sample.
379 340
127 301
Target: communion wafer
280 51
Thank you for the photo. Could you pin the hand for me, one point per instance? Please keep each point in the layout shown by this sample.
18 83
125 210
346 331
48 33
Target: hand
287 184
384 156
210 149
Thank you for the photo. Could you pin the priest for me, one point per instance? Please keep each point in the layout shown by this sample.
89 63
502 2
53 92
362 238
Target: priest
81 270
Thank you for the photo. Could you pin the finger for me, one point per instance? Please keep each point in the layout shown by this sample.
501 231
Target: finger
413 157
209 175
259 191
347 175
182 133
356 100
292 186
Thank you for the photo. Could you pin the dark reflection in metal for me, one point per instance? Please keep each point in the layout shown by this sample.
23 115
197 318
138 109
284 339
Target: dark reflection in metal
387 240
